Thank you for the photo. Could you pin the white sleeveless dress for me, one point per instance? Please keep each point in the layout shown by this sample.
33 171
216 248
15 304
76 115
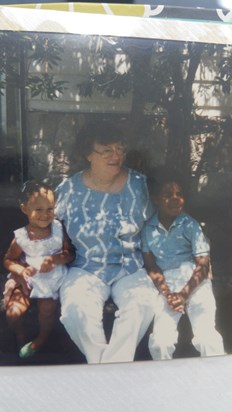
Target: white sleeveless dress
44 285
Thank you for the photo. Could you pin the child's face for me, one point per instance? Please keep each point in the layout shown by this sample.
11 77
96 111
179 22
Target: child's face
170 200
40 208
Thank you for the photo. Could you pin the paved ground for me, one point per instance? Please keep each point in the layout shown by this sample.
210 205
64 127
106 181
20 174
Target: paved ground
61 350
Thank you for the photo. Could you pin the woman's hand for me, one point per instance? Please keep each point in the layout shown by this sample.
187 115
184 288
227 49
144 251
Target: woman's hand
176 302
18 281
10 286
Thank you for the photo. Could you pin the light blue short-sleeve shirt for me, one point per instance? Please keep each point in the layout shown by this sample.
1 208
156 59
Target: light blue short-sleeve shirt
105 228
181 243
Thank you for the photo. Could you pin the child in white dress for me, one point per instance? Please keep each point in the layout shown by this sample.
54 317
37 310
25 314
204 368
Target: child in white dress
36 260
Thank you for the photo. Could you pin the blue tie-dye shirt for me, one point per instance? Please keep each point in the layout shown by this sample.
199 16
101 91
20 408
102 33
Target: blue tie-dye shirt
181 243
105 227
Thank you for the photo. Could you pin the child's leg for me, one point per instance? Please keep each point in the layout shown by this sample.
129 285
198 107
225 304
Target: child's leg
47 311
165 334
16 306
201 310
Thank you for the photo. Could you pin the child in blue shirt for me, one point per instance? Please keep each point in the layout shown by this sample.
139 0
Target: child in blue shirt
176 256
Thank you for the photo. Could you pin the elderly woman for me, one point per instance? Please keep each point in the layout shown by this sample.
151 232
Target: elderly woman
104 208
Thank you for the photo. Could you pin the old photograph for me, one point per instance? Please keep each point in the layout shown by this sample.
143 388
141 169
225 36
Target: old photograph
116 161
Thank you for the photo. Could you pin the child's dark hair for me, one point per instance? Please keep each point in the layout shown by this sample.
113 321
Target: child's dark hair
30 187
162 176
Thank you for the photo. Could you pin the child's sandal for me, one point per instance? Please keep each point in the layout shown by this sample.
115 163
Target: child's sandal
26 351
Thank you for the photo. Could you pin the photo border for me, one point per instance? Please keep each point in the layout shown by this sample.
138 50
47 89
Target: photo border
183 383
55 21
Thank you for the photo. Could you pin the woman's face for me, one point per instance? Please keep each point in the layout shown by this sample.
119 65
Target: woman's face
107 158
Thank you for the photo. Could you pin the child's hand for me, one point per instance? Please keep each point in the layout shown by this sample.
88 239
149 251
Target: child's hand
28 271
21 279
176 302
47 264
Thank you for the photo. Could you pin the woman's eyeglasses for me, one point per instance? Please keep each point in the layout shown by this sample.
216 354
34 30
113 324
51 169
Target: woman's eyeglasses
109 152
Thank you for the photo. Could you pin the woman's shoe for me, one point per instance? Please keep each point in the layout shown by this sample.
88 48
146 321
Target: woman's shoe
27 351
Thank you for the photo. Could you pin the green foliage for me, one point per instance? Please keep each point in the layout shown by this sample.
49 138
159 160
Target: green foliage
224 77
9 55
45 51
110 75
45 86
160 75
20 53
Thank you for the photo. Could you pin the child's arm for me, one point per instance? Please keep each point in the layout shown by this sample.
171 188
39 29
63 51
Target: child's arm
12 263
155 273
65 256
159 281
200 273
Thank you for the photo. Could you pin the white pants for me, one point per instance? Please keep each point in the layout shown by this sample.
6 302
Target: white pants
82 300
200 308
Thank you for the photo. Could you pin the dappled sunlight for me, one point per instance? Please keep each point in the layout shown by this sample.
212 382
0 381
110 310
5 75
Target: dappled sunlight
122 63
202 182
